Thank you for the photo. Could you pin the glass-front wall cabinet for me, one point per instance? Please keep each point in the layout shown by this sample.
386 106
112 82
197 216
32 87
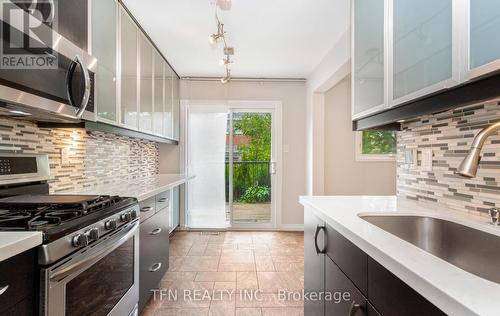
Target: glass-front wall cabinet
422 45
484 45
176 107
169 75
104 30
159 97
136 88
368 59
128 67
145 85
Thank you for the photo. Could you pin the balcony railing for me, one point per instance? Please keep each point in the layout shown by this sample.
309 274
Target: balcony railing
248 174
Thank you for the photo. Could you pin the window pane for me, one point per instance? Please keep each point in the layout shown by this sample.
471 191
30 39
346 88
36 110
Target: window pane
379 143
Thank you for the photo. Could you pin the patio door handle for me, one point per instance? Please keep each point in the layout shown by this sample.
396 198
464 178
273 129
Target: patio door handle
272 167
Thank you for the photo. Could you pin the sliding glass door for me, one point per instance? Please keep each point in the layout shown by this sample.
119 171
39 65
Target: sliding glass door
250 167
232 153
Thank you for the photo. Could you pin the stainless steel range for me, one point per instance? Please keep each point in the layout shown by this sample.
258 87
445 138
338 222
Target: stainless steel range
89 260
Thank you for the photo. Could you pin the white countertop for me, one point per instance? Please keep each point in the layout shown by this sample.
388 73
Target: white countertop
139 188
453 290
14 243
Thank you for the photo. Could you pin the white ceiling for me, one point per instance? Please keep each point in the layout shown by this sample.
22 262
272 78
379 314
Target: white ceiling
272 38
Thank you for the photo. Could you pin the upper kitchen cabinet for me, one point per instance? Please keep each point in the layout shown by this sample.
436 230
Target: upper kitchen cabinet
145 85
104 48
169 76
484 48
176 106
159 95
129 69
422 42
368 72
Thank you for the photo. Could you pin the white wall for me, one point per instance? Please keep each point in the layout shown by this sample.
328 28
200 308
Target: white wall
292 96
331 70
343 174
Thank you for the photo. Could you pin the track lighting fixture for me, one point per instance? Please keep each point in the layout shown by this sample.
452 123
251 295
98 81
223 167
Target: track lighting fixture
226 78
220 35
225 61
214 38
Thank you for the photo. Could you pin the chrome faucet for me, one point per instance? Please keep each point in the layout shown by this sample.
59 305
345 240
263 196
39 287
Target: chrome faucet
468 167
495 216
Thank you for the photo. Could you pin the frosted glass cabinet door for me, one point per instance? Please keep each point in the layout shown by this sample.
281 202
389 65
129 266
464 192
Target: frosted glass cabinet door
176 106
158 104
422 44
167 116
146 85
128 51
104 49
368 75
484 31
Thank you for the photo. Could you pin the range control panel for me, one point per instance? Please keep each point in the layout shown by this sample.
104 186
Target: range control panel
17 165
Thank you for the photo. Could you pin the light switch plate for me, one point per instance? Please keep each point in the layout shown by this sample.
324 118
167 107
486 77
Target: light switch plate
427 156
411 160
286 148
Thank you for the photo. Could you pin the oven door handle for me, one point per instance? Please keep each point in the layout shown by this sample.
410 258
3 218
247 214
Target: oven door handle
92 257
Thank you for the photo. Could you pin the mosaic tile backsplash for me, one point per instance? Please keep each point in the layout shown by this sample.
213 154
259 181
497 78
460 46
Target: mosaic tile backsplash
93 158
449 135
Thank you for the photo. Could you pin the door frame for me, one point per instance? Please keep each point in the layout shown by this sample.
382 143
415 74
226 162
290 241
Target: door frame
275 108
276 153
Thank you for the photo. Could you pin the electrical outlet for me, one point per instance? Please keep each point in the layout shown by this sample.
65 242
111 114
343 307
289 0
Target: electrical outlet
411 158
65 157
427 156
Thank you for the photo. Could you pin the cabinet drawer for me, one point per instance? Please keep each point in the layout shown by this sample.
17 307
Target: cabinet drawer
392 297
17 274
162 200
147 208
350 259
153 262
339 285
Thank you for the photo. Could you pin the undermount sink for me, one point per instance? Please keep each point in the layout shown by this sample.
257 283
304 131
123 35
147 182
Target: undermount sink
470 249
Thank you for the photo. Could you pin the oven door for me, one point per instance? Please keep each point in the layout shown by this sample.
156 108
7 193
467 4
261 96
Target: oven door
101 279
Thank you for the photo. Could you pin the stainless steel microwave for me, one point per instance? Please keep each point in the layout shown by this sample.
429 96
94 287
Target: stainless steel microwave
43 75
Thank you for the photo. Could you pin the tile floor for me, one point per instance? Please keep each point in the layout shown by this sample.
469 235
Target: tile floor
233 273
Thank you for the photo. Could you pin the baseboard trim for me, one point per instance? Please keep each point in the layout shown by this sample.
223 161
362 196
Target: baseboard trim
291 227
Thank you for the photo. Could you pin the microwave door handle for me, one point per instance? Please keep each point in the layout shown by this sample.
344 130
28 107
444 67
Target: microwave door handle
94 257
69 79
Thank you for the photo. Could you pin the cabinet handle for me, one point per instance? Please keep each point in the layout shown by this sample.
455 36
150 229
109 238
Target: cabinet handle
155 267
3 289
146 209
354 308
316 233
162 200
155 231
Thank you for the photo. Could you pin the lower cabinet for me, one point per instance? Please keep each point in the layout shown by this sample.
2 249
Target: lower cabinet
17 285
352 283
314 266
153 261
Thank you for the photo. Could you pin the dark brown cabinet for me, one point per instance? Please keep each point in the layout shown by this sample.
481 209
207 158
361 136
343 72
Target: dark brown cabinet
392 297
17 285
352 282
346 298
314 273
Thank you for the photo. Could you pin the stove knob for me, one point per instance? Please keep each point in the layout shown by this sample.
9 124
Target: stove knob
80 240
110 225
93 233
133 214
125 217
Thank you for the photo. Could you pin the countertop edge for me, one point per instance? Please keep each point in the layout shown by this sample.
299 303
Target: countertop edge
434 294
26 241
163 188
